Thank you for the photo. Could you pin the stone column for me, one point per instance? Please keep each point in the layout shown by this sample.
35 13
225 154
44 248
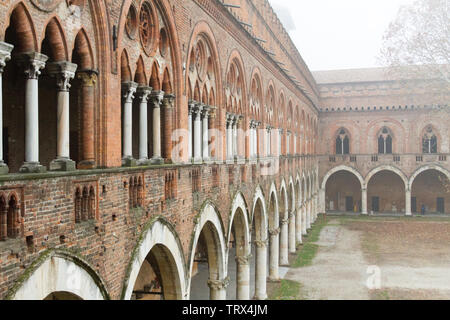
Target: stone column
308 215
298 225
284 252
229 137
168 116
88 80
322 205
280 134
191 111
304 218
198 133
218 289
5 55
156 99
32 64
260 270
63 71
143 94
235 140
128 91
408 203
292 243
364 201
250 139
243 277
205 133
274 255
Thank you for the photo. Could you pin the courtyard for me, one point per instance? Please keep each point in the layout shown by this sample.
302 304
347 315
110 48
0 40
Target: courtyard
370 258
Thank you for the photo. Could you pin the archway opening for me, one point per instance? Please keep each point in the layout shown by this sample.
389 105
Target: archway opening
259 253
238 257
386 193
207 263
62 295
158 278
430 192
343 192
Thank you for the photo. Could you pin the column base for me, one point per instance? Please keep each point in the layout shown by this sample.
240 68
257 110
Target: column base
86 164
143 162
129 162
197 161
229 161
157 160
273 280
3 168
263 297
32 167
62 165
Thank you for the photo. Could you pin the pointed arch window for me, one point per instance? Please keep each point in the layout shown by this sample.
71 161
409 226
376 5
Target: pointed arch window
342 142
385 141
429 141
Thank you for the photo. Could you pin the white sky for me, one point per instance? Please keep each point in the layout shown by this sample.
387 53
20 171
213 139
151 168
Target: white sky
337 34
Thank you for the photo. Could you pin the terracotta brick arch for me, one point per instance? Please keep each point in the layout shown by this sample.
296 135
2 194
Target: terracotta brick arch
82 53
125 70
54 41
426 168
140 77
256 101
236 82
342 168
397 132
20 30
155 80
390 168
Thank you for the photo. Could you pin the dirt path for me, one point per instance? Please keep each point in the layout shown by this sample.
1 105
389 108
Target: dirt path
340 269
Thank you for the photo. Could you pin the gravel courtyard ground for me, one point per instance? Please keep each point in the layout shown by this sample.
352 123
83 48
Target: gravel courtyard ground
411 254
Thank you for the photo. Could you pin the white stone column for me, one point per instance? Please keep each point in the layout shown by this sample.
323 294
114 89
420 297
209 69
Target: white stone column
243 277
280 135
304 218
63 71
284 239
218 289
229 137
205 133
128 91
190 146
250 139
408 203
156 99
308 214
322 201
292 243
364 201
198 133
298 225
235 137
32 64
143 94
5 55
260 270
274 255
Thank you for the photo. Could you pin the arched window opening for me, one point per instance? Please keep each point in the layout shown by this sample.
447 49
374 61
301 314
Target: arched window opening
13 219
385 141
78 205
429 141
3 219
342 142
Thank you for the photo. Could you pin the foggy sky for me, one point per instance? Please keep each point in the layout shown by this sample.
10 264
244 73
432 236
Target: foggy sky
337 34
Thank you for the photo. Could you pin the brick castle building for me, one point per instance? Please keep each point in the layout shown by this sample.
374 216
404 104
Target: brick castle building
147 142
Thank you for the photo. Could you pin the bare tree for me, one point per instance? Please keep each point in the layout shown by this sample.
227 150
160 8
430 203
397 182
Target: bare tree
416 45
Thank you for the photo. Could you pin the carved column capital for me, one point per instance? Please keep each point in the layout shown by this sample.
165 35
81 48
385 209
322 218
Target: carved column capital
87 77
63 71
219 284
5 54
156 98
274 232
243 260
168 101
260 243
32 63
128 90
284 221
143 92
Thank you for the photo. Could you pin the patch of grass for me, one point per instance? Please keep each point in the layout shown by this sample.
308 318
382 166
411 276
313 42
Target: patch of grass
309 249
379 295
288 290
